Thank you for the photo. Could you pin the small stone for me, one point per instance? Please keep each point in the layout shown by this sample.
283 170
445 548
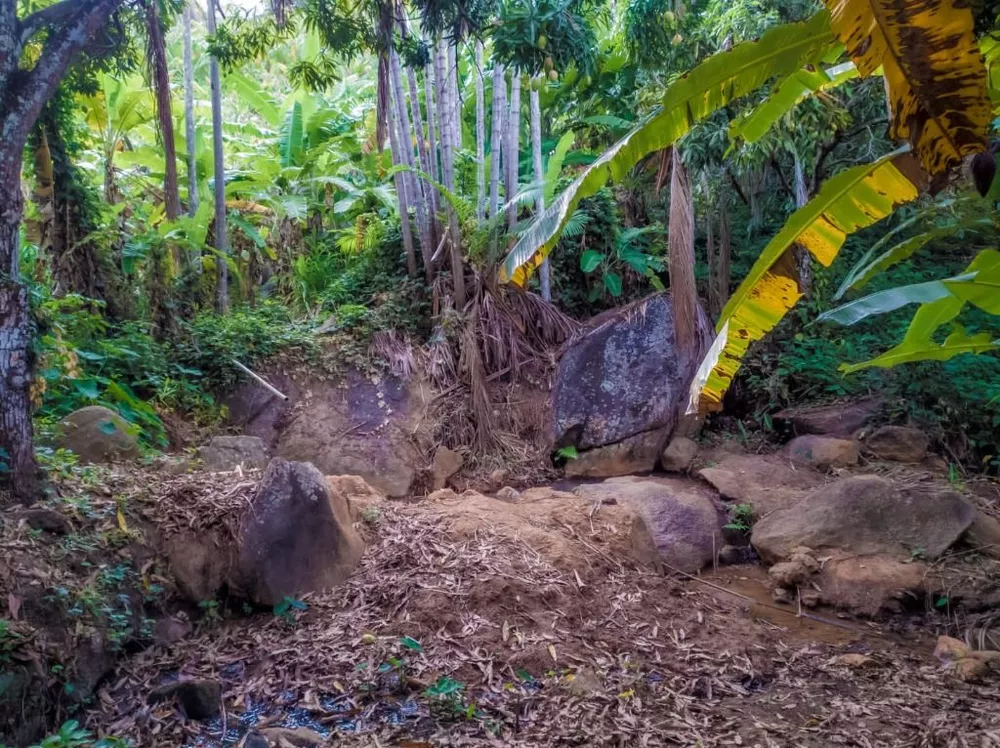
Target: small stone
823 452
970 669
782 595
898 443
300 737
170 630
446 463
796 570
368 638
46 520
200 699
809 598
584 682
853 660
949 649
733 555
508 494
256 740
679 454
442 494
498 476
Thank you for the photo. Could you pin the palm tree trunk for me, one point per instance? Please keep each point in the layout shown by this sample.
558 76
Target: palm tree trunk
510 156
221 237
544 273
480 135
161 84
497 135
405 154
446 114
402 196
189 131
680 261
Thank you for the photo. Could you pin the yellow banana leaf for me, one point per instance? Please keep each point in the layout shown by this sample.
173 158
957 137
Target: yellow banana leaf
933 68
722 78
850 201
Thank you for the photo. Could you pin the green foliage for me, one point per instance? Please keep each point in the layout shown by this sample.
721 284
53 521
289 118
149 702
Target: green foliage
741 517
71 735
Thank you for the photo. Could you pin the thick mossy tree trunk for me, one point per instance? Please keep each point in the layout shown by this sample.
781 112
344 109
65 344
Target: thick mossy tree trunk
24 90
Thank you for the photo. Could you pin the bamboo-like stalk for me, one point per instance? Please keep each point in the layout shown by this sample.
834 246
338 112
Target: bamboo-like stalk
544 272
511 152
497 135
402 191
445 117
477 74
221 236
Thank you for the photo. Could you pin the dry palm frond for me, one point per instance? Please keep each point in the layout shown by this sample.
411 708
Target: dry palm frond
396 350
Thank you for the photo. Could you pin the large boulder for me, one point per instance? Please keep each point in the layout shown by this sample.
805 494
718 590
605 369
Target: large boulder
376 428
227 453
765 482
296 537
871 585
622 377
898 443
839 419
676 522
866 515
634 454
98 435
200 562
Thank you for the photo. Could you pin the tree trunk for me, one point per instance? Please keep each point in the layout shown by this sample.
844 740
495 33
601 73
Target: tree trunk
802 256
402 183
680 260
510 155
430 194
456 102
16 433
189 131
710 257
497 136
722 263
433 126
445 116
477 74
544 272
221 236
161 85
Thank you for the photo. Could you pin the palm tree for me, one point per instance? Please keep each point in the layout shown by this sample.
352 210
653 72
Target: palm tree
157 53
221 238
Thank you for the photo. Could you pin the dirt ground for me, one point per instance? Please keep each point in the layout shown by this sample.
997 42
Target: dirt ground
537 631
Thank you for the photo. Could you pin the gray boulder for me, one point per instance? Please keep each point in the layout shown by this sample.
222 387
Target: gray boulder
226 453
296 537
622 377
822 452
676 523
898 443
866 515
839 419
98 435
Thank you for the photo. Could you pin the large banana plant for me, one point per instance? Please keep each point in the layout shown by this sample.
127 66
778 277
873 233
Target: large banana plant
940 303
713 84
850 201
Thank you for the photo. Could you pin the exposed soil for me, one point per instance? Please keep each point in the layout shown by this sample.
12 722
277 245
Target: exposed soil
473 621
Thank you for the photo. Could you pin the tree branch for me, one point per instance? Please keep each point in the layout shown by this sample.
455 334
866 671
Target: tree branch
10 49
773 163
54 15
62 46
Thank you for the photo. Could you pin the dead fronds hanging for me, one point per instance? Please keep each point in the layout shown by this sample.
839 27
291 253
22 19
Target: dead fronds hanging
396 350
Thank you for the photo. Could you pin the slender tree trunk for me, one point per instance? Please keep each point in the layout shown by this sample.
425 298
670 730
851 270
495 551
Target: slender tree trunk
401 156
477 74
445 116
497 136
722 264
802 256
510 156
415 185
221 236
430 194
16 432
161 85
544 272
680 261
710 256
456 102
433 126
189 131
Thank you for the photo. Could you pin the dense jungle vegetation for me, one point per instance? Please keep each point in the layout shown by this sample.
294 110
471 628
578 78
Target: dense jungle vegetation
187 187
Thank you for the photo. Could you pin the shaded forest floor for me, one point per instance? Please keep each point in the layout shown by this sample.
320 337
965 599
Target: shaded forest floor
456 631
